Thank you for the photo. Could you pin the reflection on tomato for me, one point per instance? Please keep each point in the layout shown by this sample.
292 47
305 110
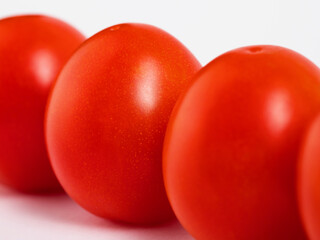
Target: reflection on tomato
107 117
309 180
232 143
32 51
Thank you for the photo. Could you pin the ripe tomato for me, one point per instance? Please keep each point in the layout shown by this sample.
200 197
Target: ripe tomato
107 116
231 146
309 180
32 50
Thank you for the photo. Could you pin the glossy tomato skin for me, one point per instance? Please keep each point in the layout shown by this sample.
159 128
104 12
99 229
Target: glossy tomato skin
33 49
105 139
232 143
309 180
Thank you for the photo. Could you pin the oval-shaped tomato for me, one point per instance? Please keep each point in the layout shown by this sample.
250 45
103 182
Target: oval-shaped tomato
33 49
309 180
107 116
231 146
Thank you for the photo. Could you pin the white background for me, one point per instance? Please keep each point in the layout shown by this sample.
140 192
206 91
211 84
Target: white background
207 28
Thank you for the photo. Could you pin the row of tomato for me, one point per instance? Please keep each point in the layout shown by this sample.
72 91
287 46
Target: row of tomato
239 157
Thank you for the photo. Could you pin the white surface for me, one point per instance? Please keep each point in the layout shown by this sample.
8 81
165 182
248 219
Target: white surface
57 217
207 28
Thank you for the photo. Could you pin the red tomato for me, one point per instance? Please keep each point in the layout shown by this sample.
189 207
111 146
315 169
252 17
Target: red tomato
232 143
309 180
32 51
107 117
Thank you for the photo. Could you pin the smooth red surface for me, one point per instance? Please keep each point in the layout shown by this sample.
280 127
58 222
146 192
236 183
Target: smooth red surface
309 180
232 145
32 51
107 117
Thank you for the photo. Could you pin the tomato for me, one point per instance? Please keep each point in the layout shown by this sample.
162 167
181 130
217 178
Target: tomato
107 117
33 49
231 147
309 180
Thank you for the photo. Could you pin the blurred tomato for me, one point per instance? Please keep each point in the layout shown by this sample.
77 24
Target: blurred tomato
32 51
309 180
107 117
232 144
